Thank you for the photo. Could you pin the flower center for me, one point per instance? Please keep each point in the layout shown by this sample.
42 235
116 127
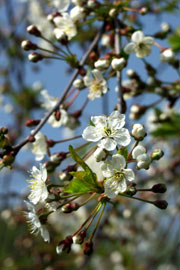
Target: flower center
107 131
141 45
96 86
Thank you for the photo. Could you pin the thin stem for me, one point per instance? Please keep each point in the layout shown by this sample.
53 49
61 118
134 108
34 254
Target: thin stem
53 45
136 198
86 201
61 205
96 209
121 102
66 90
49 51
68 139
97 224
73 99
84 105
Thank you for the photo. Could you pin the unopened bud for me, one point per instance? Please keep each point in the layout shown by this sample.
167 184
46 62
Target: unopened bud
118 63
79 238
35 57
33 30
143 11
50 166
101 64
159 188
161 204
50 143
31 138
88 248
112 12
79 83
70 207
32 122
28 45
57 115
138 132
157 154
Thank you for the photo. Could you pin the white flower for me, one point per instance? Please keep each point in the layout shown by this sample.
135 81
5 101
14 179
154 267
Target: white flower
143 159
118 63
138 131
106 40
39 146
34 222
61 5
66 25
116 175
140 45
101 64
97 84
77 13
39 192
108 130
59 34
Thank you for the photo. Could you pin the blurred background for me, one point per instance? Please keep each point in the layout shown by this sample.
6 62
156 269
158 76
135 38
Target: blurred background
133 236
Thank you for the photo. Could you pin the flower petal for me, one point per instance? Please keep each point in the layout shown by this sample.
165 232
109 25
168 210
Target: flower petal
91 134
129 174
130 48
108 144
122 137
138 150
148 40
99 120
122 186
116 120
143 52
97 75
137 36
110 188
118 162
107 169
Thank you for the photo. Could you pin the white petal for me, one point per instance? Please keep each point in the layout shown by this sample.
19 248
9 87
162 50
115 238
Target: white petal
107 169
97 74
118 162
137 36
143 52
148 40
108 144
91 134
130 48
122 186
116 120
122 137
110 188
129 175
45 234
61 5
138 150
99 120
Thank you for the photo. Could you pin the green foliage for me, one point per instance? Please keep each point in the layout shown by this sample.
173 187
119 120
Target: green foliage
84 181
174 40
124 152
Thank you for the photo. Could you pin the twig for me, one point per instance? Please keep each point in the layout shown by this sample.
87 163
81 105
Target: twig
121 103
66 90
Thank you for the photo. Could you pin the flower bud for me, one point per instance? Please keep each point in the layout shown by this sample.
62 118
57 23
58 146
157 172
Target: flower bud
70 207
33 30
157 154
32 122
100 154
28 45
168 56
92 3
35 57
79 238
50 143
50 166
130 73
31 138
143 161
101 64
161 204
118 63
112 12
136 111
79 83
88 248
64 245
138 132
165 27
143 11
159 188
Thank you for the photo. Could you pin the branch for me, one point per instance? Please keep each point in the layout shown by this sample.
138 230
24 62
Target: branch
66 90
121 105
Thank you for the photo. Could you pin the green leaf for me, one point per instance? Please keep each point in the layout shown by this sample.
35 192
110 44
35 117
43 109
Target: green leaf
123 152
166 130
174 40
84 181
